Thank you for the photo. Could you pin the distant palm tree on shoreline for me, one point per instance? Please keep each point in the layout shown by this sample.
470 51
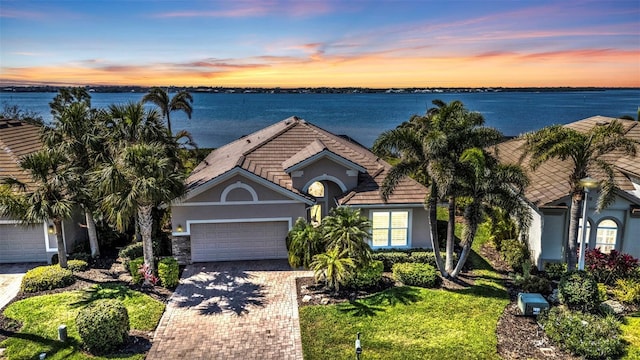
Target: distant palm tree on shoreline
180 101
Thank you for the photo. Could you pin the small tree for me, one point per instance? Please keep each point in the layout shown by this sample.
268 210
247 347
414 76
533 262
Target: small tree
180 101
334 266
347 231
303 243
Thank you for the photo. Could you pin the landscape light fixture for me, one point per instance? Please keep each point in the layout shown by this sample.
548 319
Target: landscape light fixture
587 184
51 230
358 346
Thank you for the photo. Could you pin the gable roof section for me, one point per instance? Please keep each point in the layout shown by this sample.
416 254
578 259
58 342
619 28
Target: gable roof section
550 181
288 143
314 152
17 139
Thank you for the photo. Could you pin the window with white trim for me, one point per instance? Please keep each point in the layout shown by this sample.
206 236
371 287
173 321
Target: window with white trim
390 228
606 235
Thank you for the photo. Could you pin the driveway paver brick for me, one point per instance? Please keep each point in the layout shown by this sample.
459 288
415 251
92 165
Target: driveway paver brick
232 310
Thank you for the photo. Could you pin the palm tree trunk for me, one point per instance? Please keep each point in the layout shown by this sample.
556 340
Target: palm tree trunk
574 216
469 235
433 224
62 252
93 236
145 220
451 233
169 122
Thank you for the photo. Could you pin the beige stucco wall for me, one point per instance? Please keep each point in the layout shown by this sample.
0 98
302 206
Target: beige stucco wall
237 194
320 168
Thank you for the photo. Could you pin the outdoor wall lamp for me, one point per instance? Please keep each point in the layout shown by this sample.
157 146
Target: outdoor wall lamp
179 228
50 229
587 184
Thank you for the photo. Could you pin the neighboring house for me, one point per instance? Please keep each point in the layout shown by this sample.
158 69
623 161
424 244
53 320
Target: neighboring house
19 242
244 197
617 227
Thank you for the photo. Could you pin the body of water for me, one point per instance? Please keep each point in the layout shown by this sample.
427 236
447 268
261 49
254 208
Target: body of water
220 118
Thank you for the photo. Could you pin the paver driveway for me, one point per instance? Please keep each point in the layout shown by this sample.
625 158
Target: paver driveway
232 310
10 279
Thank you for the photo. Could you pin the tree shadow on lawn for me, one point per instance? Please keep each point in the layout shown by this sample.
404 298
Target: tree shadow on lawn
103 291
486 282
375 304
218 292
52 346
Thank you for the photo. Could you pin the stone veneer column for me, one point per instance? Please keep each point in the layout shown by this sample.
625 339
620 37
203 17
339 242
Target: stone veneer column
181 249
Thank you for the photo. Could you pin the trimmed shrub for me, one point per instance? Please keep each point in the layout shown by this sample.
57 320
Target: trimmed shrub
533 284
584 334
103 325
46 278
514 253
132 251
423 275
134 270
608 268
579 291
168 272
555 271
627 291
602 292
390 258
77 265
366 276
80 256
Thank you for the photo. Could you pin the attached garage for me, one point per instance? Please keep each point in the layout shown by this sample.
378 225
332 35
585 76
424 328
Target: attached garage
227 241
22 243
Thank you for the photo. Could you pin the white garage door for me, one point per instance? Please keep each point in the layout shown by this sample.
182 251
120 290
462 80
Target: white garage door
22 243
239 241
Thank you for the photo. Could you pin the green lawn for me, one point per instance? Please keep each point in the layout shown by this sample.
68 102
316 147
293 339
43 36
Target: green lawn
41 316
412 323
631 333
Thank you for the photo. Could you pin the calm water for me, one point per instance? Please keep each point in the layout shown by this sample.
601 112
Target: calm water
220 118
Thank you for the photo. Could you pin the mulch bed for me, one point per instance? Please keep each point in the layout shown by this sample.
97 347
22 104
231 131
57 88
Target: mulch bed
103 271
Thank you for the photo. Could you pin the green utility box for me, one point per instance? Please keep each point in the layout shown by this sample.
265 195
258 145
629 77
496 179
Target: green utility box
531 304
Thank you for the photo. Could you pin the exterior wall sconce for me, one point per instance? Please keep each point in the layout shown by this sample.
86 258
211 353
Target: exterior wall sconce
51 230
179 228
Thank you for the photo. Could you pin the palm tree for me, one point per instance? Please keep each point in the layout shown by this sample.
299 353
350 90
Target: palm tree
430 147
584 152
334 266
303 243
47 199
180 101
142 171
489 185
346 230
74 132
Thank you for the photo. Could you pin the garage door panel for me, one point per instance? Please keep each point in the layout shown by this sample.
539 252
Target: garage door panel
239 241
21 244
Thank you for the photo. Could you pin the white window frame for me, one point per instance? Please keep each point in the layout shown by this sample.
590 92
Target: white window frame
606 229
390 212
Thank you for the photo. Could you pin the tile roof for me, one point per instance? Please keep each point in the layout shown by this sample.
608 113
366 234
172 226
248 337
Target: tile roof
269 151
550 181
17 139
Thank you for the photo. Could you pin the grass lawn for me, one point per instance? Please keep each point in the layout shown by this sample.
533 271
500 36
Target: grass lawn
41 316
631 333
412 323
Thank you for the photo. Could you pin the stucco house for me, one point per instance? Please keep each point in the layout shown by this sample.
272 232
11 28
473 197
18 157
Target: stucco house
34 242
617 227
242 200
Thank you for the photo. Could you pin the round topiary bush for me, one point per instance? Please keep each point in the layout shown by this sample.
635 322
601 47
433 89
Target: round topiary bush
416 274
103 325
77 265
46 278
579 291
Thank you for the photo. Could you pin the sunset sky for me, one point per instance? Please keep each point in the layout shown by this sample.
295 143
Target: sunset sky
300 43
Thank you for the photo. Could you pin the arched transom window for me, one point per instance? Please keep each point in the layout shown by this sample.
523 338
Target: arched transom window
606 235
315 212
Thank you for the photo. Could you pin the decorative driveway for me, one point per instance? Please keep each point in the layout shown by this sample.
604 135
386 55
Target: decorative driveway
232 310
10 279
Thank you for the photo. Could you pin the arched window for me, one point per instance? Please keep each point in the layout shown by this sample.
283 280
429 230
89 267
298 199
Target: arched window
606 235
315 213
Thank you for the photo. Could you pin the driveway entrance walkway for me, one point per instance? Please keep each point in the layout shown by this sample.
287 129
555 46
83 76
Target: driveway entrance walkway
10 279
232 310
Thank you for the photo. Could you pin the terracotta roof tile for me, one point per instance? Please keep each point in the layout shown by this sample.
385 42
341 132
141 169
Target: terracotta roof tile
268 152
550 181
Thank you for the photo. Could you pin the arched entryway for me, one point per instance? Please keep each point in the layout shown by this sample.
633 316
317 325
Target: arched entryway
325 193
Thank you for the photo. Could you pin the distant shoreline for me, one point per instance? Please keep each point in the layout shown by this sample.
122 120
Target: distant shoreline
309 90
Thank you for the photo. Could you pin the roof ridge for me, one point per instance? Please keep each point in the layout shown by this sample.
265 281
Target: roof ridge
294 120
